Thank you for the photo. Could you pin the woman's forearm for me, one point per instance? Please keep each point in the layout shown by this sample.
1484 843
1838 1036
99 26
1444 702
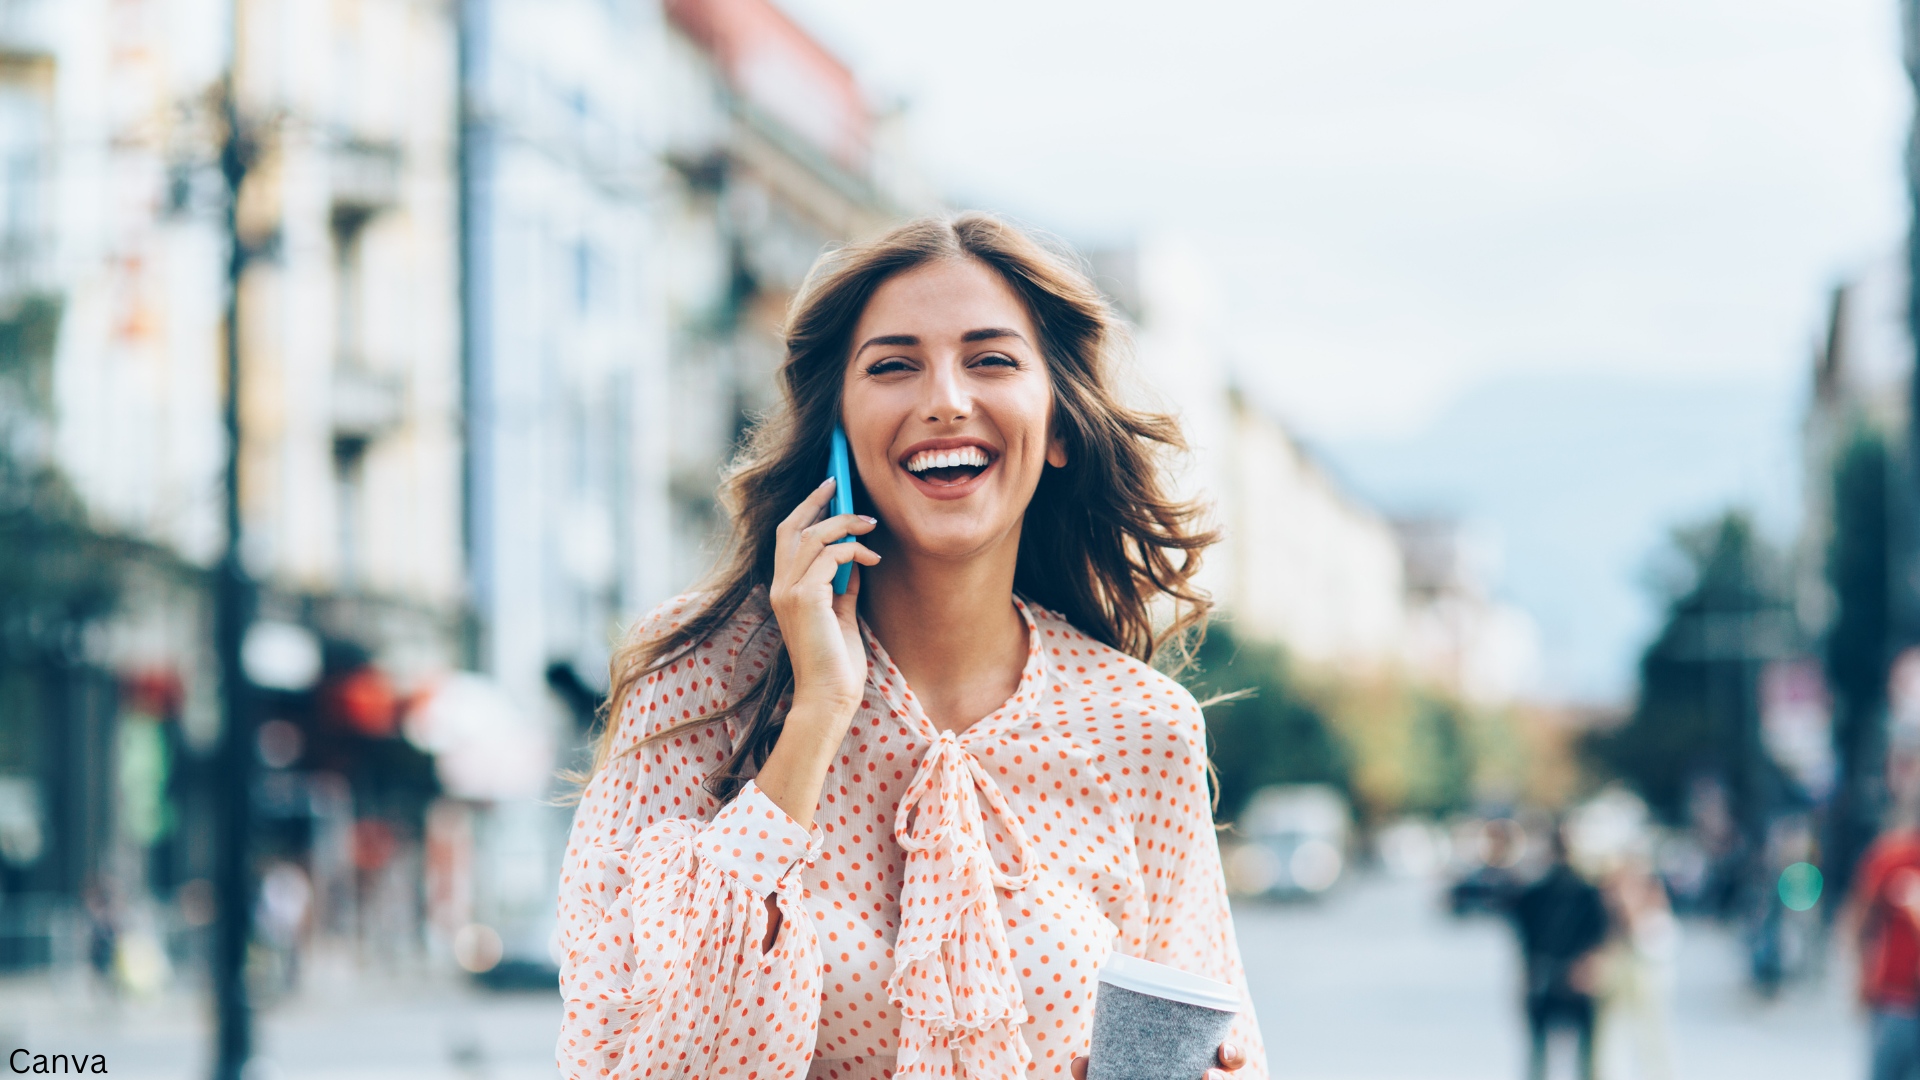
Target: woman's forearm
796 768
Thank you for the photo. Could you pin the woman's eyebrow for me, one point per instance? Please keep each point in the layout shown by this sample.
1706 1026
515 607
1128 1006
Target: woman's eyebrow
991 333
887 339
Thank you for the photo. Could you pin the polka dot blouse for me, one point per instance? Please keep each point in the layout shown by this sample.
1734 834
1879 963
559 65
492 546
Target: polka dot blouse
949 910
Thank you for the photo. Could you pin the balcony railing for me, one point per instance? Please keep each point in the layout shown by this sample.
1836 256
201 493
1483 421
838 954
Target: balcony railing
366 404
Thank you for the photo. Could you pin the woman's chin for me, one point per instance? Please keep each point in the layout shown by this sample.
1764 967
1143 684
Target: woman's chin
952 541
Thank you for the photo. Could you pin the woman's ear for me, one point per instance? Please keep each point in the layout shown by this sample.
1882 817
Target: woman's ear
1056 453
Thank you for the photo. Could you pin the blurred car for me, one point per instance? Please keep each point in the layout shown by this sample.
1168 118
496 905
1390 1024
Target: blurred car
1295 842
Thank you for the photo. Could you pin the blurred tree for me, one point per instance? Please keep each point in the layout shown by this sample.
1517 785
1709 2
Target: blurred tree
57 575
1858 646
1414 750
1271 733
1697 713
1444 746
55 569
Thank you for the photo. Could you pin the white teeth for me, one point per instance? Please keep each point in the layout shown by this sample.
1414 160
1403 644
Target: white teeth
947 459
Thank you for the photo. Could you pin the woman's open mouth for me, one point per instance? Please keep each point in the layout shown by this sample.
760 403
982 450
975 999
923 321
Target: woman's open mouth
949 468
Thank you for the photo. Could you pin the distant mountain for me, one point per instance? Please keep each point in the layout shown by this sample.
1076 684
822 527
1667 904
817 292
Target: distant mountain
1583 477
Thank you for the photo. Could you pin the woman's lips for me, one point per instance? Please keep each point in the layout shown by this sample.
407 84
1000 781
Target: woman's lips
934 489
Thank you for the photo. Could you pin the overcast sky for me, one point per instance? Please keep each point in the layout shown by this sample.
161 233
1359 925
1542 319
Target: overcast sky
1404 198
1555 268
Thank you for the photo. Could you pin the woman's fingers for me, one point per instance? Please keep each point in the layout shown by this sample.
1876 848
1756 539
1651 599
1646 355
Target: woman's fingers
1231 1059
808 511
804 535
830 529
826 535
832 557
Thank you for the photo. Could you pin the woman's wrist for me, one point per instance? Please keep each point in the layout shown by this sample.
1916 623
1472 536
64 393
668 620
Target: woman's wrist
817 714
796 767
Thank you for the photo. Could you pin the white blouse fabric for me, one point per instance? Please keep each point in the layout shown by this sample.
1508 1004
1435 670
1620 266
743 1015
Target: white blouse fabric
949 911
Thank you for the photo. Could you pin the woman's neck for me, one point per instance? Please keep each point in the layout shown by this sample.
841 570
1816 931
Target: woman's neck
951 628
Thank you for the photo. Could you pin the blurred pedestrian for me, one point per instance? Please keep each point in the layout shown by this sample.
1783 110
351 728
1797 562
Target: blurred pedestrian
1562 922
1636 968
286 898
1883 914
103 931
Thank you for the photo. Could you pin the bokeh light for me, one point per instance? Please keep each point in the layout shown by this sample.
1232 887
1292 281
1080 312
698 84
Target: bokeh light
1800 886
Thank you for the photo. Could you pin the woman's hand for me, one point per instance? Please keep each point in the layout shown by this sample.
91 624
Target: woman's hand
818 628
1231 1058
823 644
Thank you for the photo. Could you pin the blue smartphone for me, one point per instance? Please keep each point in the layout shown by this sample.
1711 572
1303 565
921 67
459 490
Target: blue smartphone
842 475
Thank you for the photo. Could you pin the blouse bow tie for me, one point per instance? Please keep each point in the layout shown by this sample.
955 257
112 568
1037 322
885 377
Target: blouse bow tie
952 981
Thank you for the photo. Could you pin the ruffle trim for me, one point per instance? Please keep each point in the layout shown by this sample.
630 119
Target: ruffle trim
953 984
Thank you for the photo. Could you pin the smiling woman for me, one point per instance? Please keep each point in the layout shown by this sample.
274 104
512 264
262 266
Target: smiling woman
896 832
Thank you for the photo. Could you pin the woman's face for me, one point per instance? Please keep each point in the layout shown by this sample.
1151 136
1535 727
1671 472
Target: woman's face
946 406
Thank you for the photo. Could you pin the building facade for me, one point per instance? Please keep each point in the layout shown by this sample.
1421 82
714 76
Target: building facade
566 366
351 455
1302 562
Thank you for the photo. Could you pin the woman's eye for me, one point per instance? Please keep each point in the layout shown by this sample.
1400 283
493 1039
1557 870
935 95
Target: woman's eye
997 360
887 366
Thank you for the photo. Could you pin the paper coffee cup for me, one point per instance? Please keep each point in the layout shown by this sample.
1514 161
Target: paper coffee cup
1154 1022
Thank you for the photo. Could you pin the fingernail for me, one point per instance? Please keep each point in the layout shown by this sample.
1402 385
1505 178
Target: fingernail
825 482
1228 1050
868 520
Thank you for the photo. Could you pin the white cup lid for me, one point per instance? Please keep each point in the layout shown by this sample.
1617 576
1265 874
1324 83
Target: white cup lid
1161 981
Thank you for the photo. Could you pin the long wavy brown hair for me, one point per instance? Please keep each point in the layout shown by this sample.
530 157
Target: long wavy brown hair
1104 542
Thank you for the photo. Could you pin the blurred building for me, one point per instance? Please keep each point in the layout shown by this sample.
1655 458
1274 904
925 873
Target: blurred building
566 373
57 705
1862 375
512 279
1457 634
566 399
351 457
1303 563
1307 565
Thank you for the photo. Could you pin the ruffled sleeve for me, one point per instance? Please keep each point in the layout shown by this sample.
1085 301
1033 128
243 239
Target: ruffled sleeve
1188 922
663 899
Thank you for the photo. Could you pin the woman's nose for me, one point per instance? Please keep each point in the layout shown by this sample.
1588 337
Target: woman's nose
947 398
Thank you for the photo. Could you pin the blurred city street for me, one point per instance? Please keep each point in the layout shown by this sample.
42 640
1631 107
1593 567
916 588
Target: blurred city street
1374 983
1378 983
1545 374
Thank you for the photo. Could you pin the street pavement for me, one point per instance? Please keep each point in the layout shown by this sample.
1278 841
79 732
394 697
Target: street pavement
1374 983
1377 983
389 1027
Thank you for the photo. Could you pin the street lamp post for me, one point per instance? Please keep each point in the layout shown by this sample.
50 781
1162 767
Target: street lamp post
233 611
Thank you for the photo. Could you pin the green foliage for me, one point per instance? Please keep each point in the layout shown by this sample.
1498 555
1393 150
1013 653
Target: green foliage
27 335
1443 746
1726 595
1272 733
56 571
